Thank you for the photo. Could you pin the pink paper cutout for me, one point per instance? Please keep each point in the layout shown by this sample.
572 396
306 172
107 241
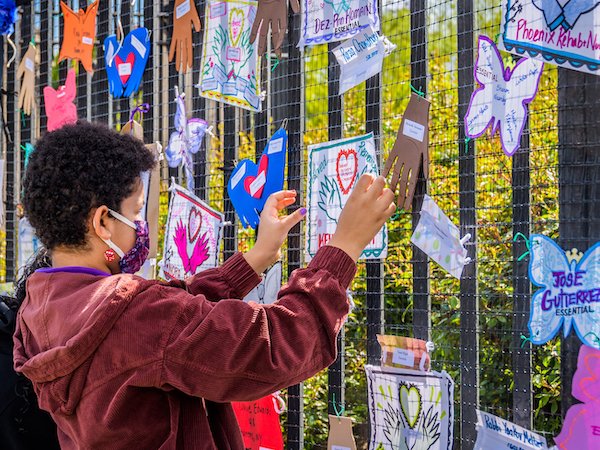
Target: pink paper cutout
60 109
200 253
581 428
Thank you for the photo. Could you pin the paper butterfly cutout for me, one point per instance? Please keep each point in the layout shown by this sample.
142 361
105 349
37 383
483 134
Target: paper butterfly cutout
581 427
79 34
60 109
125 64
570 292
500 101
186 141
266 291
250 184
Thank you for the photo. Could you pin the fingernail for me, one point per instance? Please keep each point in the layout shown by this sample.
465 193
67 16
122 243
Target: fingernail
303 212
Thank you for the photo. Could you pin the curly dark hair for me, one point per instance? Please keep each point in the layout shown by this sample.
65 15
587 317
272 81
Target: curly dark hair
74 169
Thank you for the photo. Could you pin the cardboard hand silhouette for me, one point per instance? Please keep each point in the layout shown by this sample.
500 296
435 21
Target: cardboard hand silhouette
271 14
185 16
60 108
26 71
410 150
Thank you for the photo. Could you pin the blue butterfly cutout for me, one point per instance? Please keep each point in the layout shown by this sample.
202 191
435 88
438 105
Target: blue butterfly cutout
251 184
570 294
126 62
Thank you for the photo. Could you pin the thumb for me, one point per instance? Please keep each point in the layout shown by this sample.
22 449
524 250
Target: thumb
291 220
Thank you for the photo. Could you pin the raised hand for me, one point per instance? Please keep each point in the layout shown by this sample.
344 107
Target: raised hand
271 14
26 71
185 16
410 150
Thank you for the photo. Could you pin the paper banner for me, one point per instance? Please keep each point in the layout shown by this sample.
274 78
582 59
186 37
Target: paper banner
60 109
266 291
336 20
439 238
565 33
259 423
361 57
192 236
250 184
79 34
581 427
494 433
230 70
28 244
500 101
340 433
125 64
409 409
333 169
569 294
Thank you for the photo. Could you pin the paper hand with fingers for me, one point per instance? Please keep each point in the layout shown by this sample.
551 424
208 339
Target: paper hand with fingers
410 150
60 109
185 16
271 14
26 71
79 34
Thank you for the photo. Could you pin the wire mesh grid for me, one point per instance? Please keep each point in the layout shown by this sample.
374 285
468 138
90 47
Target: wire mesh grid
477 324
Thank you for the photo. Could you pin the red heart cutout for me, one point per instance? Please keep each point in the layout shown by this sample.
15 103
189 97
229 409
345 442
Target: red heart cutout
125 67
194 224
346 169
259 180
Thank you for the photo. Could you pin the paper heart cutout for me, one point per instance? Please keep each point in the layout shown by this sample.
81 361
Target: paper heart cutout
410 403
255 185
194 224
125 67
346 168
236 25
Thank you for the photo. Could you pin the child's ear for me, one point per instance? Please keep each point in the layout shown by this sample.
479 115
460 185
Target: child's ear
99 219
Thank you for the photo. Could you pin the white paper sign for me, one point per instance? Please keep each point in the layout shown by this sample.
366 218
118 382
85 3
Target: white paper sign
360 58
494 433
266 291
333 169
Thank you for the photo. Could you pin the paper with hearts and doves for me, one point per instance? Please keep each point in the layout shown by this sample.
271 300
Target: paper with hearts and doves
251 184
333 169
192 236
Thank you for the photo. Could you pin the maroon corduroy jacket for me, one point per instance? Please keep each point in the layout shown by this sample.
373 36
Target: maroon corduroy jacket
121 362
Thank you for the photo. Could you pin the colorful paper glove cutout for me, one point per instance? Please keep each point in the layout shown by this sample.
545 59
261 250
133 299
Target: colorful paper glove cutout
60 109
569 285
186 140
79 34
259 422
185 16
26 72
439 238
581 427
271 14
410 150
500 102
251 184
125 64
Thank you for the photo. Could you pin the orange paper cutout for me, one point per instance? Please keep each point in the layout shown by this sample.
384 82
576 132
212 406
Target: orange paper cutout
79 34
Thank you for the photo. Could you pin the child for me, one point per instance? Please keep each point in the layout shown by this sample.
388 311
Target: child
122 362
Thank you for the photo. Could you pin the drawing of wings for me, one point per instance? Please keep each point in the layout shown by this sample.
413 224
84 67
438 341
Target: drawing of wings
587 326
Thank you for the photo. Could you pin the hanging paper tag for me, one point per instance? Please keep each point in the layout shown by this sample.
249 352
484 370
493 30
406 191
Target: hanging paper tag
360 58
124 69
404 352
141 48
413 130
29 65
275 146
182 9
340 433
87 40
218 9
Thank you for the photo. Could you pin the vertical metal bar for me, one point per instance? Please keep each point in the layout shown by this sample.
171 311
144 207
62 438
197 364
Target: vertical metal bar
469 308
98 100
229 157
521 356
295 115
335 113
199 107
418 69
579 195
10 107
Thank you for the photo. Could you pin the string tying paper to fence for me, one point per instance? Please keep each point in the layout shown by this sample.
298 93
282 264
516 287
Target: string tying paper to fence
527 243
417 91
338 412
524 340
142 109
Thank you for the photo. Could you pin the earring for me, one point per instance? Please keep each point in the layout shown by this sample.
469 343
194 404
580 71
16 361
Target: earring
109 255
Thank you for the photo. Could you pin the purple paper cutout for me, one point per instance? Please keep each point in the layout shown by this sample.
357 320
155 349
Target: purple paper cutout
515 106
581 428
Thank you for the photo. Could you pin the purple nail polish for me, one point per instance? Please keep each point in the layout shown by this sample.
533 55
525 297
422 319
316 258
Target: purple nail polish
303 211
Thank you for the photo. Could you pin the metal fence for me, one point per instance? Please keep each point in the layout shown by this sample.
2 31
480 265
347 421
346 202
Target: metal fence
550 186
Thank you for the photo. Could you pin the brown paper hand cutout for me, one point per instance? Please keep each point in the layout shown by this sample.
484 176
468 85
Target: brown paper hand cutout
79 34
271 14
185 16
410 150
26 71
340 433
